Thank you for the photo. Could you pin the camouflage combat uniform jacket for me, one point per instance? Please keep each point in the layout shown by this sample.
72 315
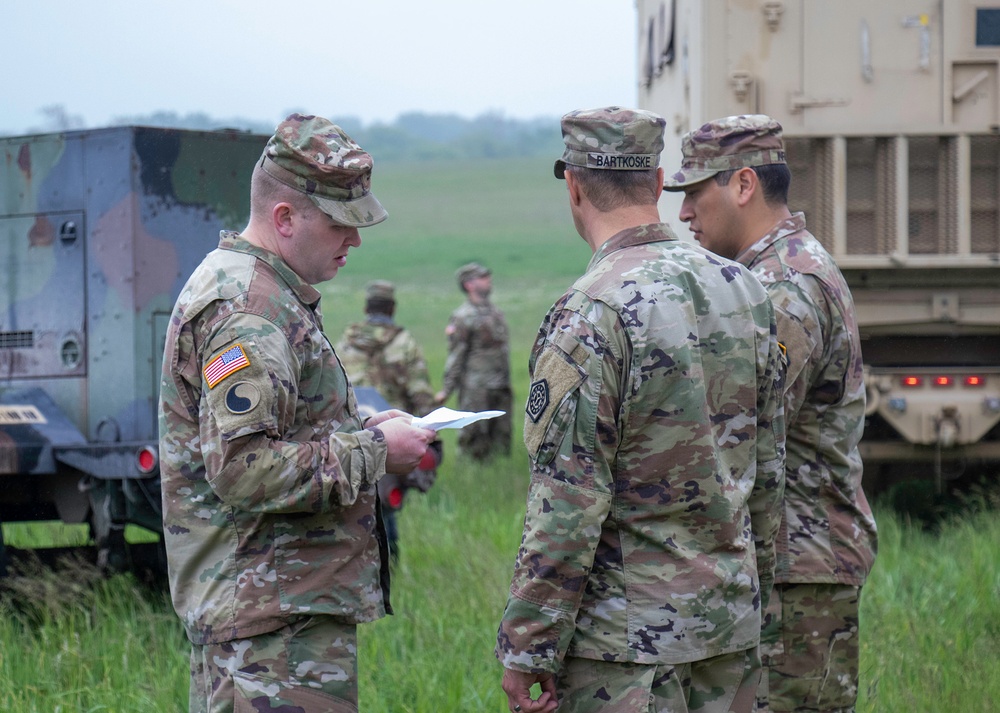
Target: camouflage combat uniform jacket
827 533
478 356
268 482
381 354
655 434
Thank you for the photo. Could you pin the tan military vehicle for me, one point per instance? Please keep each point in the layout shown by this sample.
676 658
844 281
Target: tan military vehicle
891 112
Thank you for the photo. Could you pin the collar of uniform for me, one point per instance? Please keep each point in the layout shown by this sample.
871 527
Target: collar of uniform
639 235
788 226
307 294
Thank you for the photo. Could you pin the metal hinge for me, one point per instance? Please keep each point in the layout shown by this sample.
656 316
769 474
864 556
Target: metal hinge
772 14
741 80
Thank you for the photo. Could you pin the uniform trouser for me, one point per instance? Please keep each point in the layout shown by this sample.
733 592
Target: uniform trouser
307 666
722 684
809 647
492 435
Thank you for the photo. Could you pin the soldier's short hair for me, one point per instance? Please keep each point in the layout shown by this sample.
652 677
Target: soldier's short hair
774 179
380 306
610 190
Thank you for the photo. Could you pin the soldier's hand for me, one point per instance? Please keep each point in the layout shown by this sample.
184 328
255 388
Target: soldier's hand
406 444
383 416
440 397
517 685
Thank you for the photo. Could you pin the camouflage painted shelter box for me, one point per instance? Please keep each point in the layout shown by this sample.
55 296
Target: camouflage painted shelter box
98 232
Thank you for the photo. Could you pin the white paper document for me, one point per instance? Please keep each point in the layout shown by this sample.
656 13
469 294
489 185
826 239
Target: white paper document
449 418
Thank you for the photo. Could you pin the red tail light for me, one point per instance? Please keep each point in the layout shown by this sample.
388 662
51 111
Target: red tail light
942 381
146 459
912 381
975 381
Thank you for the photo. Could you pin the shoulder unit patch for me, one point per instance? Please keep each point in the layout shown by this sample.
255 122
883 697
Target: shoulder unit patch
538 400
242 397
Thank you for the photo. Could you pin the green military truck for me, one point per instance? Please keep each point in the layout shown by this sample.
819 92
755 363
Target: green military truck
98 232
891 113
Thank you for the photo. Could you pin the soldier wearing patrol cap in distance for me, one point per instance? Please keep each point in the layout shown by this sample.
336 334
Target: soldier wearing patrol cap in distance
478 364
274 547
654 430
735 180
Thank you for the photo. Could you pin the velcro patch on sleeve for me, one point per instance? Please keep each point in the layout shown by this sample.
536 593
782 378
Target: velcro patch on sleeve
246 404
225 364
556 376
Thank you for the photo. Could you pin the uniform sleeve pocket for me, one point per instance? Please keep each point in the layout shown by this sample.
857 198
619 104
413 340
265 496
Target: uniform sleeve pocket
550 411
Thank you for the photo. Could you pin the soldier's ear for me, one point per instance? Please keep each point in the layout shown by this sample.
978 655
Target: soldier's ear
282 215
747 185
576 194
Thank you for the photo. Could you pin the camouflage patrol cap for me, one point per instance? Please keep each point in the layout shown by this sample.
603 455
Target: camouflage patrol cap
381 290
611 138
726 144
470 272
316 157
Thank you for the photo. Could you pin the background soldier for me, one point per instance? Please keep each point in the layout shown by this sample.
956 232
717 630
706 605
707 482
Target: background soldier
478 365
654 429
380 353
383 355
736 182
274 548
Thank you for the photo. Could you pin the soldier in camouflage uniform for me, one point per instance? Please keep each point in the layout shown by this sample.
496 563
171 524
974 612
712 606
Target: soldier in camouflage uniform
827 541
274 545
381 354
478 365
655 434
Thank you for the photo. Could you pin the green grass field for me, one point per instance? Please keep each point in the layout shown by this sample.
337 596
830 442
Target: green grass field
70 641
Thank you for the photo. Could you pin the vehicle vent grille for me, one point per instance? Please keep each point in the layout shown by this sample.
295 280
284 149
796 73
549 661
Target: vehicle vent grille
862 196
926 194
984 155
810 184
17 340
918 195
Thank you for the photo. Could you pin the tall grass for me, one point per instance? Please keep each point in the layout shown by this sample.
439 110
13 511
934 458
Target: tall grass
931 617
70 641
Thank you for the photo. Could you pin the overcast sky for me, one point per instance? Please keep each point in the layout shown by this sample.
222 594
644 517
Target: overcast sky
259 59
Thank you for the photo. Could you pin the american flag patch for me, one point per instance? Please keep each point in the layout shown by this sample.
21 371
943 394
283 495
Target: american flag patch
229 361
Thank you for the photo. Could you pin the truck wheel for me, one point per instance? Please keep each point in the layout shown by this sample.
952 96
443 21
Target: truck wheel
112 551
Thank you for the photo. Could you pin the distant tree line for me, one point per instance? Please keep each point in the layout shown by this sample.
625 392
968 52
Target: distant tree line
412 136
